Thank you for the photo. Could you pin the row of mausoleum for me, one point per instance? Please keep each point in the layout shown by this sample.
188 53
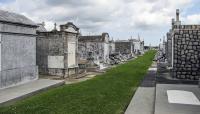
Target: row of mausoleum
28 49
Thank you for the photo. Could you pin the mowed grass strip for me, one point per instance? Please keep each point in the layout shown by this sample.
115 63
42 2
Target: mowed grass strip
109 93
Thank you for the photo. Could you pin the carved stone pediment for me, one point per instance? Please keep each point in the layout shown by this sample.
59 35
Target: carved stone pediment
69 27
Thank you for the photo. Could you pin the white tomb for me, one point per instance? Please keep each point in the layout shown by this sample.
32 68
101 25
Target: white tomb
182 97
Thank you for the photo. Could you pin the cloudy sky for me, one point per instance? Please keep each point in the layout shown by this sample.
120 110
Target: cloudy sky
120 18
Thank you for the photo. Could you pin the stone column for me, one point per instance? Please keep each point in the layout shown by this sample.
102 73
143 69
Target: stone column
178 22
177 15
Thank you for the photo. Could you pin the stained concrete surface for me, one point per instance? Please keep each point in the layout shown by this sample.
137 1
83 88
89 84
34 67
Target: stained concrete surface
142 102
13 94
162 106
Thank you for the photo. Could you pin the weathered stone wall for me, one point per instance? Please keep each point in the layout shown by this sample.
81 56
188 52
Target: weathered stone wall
112 47
42 54
82 50
169 49
72 60
124 47
106 52
17 51
12 77
18 55
96 49
55 44
186 60
49 44
17 29
137 47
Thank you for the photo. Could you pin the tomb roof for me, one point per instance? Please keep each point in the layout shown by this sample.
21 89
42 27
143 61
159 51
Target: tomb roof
15 18
94 38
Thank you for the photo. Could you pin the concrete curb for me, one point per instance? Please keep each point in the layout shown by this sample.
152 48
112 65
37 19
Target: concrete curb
12 101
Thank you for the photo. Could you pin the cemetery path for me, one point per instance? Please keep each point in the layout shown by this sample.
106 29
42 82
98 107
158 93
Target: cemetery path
144 99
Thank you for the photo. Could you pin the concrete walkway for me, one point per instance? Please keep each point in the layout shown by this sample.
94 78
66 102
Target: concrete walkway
149 99
13 94
143 100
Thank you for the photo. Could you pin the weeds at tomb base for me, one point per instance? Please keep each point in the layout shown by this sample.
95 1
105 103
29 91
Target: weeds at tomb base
109 93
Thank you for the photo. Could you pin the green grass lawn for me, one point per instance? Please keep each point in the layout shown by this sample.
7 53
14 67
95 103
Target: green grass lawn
109 93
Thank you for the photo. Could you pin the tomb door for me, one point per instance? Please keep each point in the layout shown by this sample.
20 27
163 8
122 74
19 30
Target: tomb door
71 54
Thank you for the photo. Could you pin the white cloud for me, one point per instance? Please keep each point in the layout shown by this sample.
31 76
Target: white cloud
127 16
192 19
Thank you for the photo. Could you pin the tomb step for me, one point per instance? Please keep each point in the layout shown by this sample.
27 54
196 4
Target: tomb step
163 106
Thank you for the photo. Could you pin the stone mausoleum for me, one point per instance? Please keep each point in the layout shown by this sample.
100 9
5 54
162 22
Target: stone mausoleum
138 45
95 47
57 50
124 47
111 46
17 49
131 46
184 55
